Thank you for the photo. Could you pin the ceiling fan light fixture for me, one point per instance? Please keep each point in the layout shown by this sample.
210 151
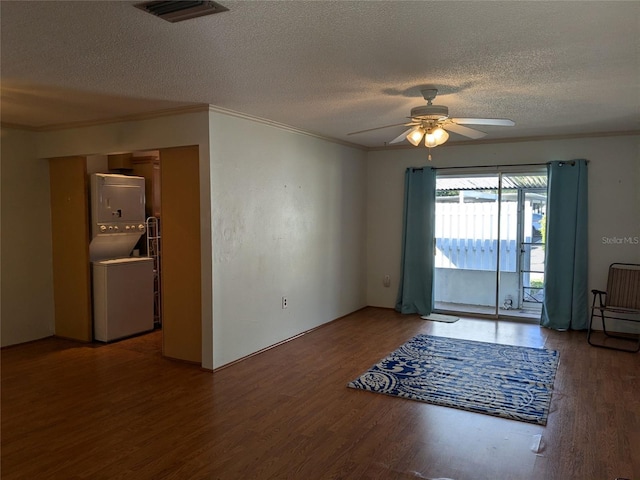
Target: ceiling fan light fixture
435 136
415 136
432 122
440 135
430 140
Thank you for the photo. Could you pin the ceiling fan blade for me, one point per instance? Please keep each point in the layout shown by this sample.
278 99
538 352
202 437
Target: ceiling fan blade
500 122
465 131
380 128
401 137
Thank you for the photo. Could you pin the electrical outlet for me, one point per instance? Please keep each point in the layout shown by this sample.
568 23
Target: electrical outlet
285 302
386 281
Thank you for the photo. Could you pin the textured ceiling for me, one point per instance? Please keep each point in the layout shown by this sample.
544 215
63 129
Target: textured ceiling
329 68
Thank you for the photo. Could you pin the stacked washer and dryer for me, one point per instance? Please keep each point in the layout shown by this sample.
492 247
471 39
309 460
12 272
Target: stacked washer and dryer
123 290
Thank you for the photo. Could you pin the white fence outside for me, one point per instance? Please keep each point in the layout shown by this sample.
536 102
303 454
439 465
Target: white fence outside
466 251
467 235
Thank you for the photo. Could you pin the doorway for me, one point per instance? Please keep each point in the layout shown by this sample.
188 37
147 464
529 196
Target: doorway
180 280
489 255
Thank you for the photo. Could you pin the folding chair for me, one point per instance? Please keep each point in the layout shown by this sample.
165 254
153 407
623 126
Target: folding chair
621 301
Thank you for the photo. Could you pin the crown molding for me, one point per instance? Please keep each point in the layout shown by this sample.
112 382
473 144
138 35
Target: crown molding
123 118
179 111
538 138
283 126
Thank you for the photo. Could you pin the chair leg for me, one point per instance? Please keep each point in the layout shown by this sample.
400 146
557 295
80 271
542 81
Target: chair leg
604 327
610 335
590 330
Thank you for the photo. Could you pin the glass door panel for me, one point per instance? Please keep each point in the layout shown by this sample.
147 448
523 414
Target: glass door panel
533 251
466 228
521 282
509 297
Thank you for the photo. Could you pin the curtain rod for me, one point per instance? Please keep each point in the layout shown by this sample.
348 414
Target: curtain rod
495 166
570 162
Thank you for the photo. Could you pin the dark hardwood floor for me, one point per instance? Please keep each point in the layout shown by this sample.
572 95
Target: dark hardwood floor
121 411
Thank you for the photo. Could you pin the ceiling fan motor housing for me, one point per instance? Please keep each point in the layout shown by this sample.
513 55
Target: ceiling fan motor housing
430 112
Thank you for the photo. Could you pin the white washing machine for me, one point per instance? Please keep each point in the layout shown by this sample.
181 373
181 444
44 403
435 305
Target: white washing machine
122 297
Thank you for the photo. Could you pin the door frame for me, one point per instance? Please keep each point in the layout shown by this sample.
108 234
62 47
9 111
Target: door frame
70 236
499 172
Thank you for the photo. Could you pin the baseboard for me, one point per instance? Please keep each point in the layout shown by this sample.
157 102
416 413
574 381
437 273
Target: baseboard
26 343
282 342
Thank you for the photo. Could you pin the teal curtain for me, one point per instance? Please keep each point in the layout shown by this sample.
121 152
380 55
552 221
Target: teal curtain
415 294
565 305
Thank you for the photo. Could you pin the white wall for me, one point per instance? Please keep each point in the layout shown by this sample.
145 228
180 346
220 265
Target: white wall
288 220
26 263
614 198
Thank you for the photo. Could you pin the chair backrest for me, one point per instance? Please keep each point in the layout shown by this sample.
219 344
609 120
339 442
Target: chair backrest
623 285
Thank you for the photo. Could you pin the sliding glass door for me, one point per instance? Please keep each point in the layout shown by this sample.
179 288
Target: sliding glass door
489 256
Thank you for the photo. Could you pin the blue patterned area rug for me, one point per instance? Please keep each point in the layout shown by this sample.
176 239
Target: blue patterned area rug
502 380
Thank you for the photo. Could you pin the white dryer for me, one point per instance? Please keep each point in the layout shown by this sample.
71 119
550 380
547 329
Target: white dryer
117 215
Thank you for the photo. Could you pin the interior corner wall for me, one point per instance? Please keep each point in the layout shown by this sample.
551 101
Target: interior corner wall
151 134
288 221
287 211
614 199
26 262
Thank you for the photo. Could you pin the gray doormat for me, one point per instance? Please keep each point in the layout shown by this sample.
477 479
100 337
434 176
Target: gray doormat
437 317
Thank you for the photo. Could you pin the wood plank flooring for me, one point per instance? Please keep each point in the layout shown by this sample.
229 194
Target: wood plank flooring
121 411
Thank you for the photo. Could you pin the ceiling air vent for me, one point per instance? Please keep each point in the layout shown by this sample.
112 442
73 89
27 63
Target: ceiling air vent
177 11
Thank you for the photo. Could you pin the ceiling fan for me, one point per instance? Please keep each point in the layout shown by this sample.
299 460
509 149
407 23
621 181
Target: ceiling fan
431 122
